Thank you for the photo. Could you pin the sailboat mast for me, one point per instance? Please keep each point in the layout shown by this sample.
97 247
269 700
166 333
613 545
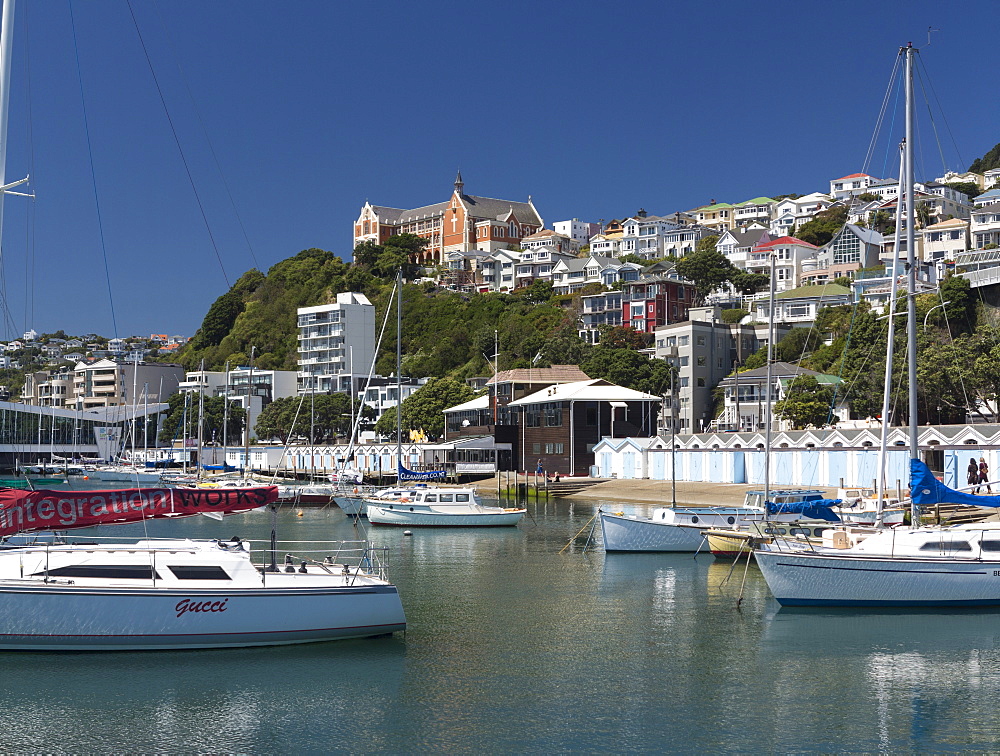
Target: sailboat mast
890 339
399 362
6 49
911 258
767 389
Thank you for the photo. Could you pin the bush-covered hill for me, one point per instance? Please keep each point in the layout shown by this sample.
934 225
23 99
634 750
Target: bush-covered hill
445 333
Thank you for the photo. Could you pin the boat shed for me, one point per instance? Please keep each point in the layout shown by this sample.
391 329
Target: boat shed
561 424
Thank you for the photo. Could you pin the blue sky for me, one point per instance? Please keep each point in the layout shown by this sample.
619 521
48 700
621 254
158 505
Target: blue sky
311 108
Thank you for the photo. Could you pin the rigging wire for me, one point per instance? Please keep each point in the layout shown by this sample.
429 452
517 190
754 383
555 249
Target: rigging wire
93 176
177 141
930 115
881 116
926 78
211 147
29 271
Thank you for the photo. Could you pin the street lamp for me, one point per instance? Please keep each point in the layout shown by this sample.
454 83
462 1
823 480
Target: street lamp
932 310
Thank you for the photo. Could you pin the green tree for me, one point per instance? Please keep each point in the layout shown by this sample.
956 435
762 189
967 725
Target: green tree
748 283
734 315
424 409
868 197
367 253
987 162
707 269
627 367
538 291
822 228
806 402
969 188
217 424
280 420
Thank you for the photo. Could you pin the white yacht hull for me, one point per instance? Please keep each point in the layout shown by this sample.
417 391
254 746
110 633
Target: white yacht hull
68 618
810 579
382 515
351 505
624 533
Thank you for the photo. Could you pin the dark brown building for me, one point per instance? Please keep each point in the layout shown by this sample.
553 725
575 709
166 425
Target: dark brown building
551 421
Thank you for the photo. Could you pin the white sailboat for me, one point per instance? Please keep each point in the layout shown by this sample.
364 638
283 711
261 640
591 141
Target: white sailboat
57 594
954 565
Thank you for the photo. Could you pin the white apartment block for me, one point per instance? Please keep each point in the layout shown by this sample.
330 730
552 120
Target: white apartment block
336 344
577 230
789 254
598 310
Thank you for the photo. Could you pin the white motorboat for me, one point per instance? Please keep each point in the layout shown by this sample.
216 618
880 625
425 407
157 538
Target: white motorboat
180 594
440 507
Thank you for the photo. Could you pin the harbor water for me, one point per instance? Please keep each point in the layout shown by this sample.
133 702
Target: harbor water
513 646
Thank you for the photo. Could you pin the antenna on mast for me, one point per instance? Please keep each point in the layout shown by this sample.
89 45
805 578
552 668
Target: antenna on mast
929 30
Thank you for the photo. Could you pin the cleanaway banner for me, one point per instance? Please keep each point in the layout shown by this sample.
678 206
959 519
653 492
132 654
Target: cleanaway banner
25 511
405 474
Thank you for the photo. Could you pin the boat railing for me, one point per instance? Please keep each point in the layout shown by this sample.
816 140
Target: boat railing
351 559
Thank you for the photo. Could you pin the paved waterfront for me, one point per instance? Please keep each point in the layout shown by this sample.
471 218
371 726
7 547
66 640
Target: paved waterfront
655 491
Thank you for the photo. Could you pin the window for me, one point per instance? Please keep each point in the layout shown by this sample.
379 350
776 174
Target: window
553 448
682 341
701 382
701 361
700 341
946 546
536 448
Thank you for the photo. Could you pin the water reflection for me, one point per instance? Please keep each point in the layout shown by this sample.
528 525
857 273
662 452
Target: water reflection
278 699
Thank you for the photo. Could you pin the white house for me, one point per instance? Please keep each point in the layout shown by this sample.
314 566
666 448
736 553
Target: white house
577 230
800 306
788 214
736 245
789 254
851 185
985 228
946 239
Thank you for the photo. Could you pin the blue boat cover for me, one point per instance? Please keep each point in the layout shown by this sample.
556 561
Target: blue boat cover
405 474
926 489
817 509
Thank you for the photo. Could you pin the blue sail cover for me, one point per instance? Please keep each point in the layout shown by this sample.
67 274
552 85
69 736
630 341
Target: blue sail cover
816 509
405 474
926 489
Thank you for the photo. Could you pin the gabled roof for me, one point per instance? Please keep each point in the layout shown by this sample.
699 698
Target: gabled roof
784 241
554 374
746 238
545 233
387 214
946 224
779 371
716 206
866 235
854 175
756 201
498 209
823 291
592 390
480 402
987 208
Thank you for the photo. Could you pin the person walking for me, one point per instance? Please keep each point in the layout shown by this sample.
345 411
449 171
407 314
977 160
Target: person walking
973 475
984 476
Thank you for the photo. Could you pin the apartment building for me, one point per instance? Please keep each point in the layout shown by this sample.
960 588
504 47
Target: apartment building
703 350
336 345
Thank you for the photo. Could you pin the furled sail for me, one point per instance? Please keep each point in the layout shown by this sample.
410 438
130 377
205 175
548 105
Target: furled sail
27 511
817 509
926 489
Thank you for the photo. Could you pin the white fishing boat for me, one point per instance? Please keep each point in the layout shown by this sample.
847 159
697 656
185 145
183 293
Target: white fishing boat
440 507
935 565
